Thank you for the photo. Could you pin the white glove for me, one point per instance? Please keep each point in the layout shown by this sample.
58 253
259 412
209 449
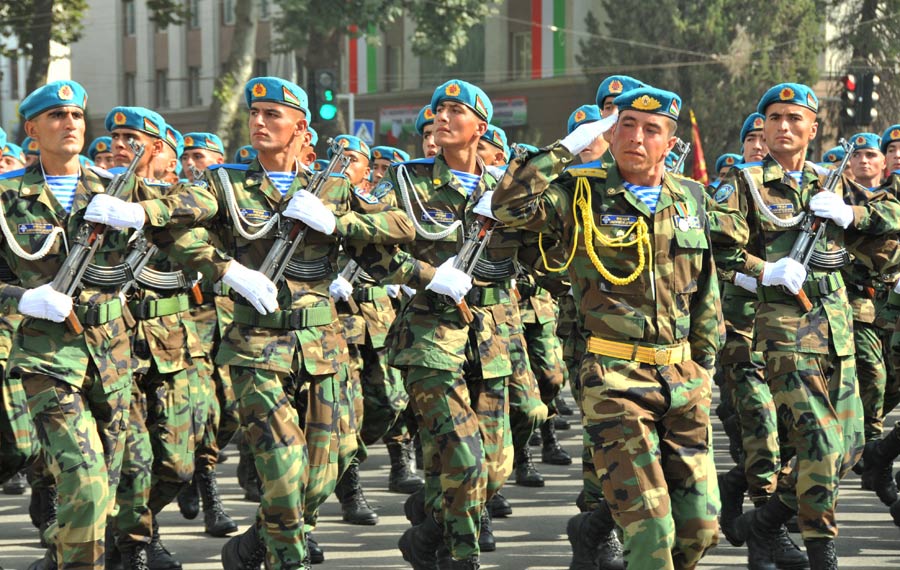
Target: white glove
450 281
897 288
311 211
111 211
340 289
45 302
393 291
483 207
409 291
830 205
785 272
745 281
585 134
253 286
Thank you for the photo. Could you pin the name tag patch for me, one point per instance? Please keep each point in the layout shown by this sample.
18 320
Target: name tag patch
35 229
685 223
617 220
438 216
253 215
365 195
782 209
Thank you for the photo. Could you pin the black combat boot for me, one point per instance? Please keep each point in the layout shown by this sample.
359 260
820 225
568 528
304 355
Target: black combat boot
732 486
403 477
47 562
609 552
732 427
499 506
789 556
15 485
760 529
822 555
355 508
217 523
586 532
158 556
316 554
561 423
895 511
486 542
562 406
414 507
189 500
246 551
471 563
42 509
134 556
420 543
551 451
878 461
526 474
113 558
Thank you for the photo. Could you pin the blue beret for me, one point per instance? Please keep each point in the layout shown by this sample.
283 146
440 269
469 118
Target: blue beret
99 144
2 136
350 142
615 85
52 95
426 117
583 114
30 146
137 118
497 137
245 155
174 139
650 100
466 93
14 151
794 93
728 159
85 161
890 135
319 165
204 141
866 140
276 90
314 140
390 153
834 155
671 159
753 122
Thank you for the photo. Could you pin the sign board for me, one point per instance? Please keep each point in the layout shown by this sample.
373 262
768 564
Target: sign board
365 130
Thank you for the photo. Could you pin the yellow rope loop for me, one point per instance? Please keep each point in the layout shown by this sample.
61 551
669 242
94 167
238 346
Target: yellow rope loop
580 186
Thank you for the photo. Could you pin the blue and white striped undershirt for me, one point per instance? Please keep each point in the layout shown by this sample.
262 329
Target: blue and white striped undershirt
63 187
797 175
649 195
468 181
282 180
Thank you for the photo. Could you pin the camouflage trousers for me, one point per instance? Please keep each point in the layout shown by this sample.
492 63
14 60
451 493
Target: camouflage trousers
872 370
545 354
816 398
82 433
526 410
650 433
464 429
382 394
18 439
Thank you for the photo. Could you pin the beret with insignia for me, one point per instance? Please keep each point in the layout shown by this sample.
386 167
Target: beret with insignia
834 155
581 115
794 93
245 155
496 137
425 117
204 141
466 93
313 136
137 118
866 141
753 122
2 136
85 161
51 96
890 135
389 153
615 85
728 159
30 146
650 100
351 143
276 90
174 139
98 146
13 151
319 165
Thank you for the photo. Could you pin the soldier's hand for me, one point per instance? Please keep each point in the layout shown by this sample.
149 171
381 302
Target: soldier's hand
44 302
450 281
586 133
483 207
340 289
830 205
786 272
115 212
745 282
253 286
311 211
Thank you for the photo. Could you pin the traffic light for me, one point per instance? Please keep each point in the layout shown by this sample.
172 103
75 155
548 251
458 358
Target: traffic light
324 98
868 97
849 98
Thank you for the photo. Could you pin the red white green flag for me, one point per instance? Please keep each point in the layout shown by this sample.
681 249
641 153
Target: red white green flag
362 62
548 45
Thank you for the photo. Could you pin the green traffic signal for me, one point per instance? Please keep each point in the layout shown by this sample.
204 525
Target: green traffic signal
327 112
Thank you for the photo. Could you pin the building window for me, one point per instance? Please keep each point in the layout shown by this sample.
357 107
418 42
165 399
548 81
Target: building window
228 12
130 91
194 7
261 68
162 89
193 90
263 9
521 55
393 80
14 77
128 15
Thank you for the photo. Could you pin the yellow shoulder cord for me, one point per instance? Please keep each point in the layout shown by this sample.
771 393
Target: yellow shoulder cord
641 240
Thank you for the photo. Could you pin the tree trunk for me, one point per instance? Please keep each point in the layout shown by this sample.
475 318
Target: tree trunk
39 36
229 85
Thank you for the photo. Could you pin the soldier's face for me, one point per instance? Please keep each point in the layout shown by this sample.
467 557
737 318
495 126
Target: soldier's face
428 147
31 159
358 169
607 108
123 153
164 164
457 126
755 148
641 141
867 165
789 128
274 127
104 160
8 164
892 157
200 159
491 155
379 169
59 131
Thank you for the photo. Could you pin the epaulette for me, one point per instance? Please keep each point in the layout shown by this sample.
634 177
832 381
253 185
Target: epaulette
155 182
744 165
819 170
592 164
419 161
590 170
101 172
12 174
243 167
337 175
116 170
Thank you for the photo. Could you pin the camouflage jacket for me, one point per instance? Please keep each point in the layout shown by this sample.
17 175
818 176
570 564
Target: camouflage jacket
360 216
675 298
781 323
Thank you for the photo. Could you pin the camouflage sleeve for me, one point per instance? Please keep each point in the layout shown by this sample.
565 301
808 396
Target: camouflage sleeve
373 219
521 198
192 248
10 293
881 254
878 217
184 205
707 335
730 229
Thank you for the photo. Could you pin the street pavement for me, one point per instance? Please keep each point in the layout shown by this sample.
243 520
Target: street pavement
532 538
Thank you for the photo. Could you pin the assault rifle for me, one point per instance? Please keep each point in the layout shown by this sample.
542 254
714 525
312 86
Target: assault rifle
477 238
352 272
88 240
681 149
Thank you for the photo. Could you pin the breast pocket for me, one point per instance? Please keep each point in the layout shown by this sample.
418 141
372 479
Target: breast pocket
626 273
690 248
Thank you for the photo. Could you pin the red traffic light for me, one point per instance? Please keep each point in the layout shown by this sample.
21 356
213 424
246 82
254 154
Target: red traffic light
849 82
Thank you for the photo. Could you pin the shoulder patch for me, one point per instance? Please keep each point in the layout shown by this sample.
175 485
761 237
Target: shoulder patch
383 188
228 166
12 174
723 193
155 182
744 165
420 161
365 195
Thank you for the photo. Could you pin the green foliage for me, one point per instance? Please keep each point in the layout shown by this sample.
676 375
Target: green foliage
20 17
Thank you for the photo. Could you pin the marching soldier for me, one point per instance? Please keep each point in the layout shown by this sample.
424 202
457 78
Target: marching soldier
425 128
245 155
382 158
100 151
12 157
32 151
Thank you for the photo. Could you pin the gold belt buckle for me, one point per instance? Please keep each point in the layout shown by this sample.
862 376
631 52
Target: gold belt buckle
661 356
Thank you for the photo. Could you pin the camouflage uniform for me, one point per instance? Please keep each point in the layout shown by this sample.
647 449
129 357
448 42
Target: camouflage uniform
271 357
659 484
456 374
809 356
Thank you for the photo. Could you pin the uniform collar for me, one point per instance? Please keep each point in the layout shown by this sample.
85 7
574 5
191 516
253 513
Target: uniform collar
773 172
670 194
256 178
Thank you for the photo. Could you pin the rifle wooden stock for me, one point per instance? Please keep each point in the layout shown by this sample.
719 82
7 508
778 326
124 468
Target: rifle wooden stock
74 324
465 312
